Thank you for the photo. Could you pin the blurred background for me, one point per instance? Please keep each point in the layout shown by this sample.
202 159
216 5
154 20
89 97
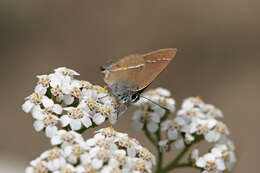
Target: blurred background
218 59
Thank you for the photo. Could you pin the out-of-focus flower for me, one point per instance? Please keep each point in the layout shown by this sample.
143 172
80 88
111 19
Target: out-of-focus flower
149 114
227 148
60 101
198 118
210 163
164 145
220 158
161 96
171 127
74 152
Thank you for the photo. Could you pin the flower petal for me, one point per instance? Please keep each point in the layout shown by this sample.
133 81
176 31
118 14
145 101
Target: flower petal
38 125
27 106
56 140
75 124
50 131
86 121
57 109
98 119
152 127
65 120
47 103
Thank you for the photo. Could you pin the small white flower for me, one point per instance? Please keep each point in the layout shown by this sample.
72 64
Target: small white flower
74 152
151 120
75 117
66 71
49 108
68 168
161 96
209 162
220 158
37 165
48 122
149 114
98 119
212 111
164 145
171 127
163 92
54 159
227 149
66 138
34 99
215 134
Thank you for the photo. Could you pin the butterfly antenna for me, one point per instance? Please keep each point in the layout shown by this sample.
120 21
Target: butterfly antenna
154 102
99 99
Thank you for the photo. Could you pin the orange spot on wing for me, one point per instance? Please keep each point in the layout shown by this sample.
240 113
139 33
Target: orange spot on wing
117 66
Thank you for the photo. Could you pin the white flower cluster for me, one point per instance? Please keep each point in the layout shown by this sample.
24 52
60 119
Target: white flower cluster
194 119
59 100
220 158
149 114
198 118
107 152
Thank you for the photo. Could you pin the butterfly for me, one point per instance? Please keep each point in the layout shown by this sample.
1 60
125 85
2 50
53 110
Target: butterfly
131 75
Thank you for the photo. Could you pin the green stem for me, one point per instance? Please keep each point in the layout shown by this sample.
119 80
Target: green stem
183 165
175 163
159 161
160 153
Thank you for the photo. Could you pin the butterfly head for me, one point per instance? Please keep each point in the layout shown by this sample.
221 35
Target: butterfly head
125 93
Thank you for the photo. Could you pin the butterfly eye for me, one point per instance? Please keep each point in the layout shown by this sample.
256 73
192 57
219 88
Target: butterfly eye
135 97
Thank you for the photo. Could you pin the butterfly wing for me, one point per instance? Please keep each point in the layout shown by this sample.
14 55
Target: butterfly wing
125 71
155 63
139 70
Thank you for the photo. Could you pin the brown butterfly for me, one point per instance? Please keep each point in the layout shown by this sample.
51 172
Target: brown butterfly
131 75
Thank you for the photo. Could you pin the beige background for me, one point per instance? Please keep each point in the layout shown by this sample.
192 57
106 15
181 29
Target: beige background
218 59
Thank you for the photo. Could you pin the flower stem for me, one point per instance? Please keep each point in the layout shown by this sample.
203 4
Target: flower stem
148 135
175 163
160 153
183 165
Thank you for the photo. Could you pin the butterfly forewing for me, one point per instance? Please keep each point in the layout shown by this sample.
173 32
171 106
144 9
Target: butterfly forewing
139 70
125 70
155 63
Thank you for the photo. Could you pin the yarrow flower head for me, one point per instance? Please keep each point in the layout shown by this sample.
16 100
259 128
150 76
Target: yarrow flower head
107 151
149 115
61 101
